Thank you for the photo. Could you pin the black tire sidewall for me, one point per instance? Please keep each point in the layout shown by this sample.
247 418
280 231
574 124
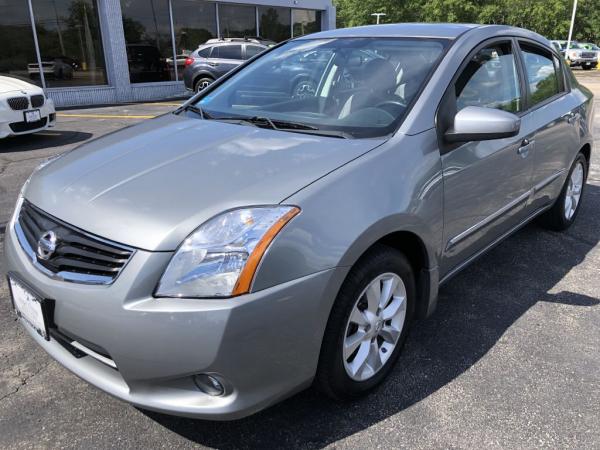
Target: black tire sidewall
332 376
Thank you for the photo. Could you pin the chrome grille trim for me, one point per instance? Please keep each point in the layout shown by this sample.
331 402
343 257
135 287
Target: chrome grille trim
80 257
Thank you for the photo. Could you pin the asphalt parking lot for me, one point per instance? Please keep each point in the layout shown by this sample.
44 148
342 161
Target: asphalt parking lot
511 358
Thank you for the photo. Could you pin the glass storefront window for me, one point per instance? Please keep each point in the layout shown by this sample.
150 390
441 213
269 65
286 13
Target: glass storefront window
68 34
237 21
195 22
306 21
274 23
17 49
147 28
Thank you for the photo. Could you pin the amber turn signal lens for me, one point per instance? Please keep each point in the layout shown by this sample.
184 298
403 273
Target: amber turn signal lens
244 282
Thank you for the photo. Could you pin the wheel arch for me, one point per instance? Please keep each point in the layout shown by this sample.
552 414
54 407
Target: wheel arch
587 152
421 258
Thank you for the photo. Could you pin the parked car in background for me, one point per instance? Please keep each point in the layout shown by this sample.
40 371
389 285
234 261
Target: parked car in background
213 261
23 108
216 57
592 47
579 56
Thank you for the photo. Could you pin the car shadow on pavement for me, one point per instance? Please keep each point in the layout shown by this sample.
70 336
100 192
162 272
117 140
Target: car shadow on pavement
43 140
475 310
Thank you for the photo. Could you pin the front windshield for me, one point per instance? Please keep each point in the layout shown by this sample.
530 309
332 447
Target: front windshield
357 87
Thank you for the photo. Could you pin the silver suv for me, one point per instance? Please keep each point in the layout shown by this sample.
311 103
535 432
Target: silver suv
213 261
216 57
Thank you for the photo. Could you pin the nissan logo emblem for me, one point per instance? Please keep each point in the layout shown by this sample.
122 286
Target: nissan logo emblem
47 245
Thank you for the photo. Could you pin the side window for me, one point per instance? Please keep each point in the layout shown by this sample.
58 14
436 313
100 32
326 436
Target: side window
490 80
542 73
204 52
229 51
253 50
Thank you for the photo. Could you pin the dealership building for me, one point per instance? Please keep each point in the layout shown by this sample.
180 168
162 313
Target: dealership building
85 52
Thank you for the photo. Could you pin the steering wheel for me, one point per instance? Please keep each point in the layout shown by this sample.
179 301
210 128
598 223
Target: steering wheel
391 106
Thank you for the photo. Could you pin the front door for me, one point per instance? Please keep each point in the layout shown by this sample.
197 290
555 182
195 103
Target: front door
486 183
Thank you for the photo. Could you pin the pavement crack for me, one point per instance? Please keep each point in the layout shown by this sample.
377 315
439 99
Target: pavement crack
24 381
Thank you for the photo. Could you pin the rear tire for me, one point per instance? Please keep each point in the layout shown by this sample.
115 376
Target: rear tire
564 211
202 83
367 329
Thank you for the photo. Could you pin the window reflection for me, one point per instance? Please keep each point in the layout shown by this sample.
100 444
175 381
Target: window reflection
306 21
237 21
17 49
274 23
195 23
147 30
68 34
541 73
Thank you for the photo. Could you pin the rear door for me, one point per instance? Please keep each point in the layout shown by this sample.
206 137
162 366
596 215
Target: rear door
486 183
225 57
554 116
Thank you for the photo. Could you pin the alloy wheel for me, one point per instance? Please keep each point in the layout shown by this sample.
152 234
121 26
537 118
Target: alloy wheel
374 326
573 194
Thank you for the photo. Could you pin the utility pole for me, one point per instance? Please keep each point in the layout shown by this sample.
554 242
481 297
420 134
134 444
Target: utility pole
378 15
571 27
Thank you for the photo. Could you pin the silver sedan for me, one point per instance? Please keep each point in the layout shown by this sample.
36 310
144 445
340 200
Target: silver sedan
213 261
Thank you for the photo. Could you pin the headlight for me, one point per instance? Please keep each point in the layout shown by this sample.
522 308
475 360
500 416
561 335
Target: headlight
574 54
220 258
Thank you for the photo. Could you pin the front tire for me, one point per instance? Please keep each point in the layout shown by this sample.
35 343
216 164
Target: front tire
368 324
564 211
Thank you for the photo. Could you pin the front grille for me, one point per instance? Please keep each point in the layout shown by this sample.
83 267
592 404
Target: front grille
588 55
37 101
18 103
21 127
77 256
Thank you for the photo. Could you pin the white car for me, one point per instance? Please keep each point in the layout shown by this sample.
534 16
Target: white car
23 108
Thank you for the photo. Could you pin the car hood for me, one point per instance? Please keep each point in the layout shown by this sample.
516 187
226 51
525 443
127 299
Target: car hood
151 185
10 84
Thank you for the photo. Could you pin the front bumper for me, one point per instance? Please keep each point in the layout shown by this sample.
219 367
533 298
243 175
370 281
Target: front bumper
9 116
578 62
264 345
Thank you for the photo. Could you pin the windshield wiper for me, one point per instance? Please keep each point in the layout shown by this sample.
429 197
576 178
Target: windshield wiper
282 125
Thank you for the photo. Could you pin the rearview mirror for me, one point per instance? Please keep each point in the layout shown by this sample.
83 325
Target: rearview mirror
475 123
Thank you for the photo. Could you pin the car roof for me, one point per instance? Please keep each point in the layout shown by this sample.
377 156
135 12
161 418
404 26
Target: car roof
430 30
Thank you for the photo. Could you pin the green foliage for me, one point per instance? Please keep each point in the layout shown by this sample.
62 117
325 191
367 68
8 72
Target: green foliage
550 18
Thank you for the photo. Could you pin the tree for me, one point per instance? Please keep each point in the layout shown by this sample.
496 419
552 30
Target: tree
550 18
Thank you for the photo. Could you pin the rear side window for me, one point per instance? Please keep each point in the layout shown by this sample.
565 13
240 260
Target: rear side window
253 50
542 72
204 52
490 80
227 52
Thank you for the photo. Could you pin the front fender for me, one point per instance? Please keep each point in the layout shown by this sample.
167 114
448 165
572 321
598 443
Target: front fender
394 187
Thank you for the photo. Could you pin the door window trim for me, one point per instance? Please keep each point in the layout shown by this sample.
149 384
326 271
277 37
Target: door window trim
564 87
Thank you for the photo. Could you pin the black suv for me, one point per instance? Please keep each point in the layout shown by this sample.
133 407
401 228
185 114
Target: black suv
217 57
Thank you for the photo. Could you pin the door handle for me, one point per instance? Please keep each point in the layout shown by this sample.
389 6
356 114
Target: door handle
213 64
526 145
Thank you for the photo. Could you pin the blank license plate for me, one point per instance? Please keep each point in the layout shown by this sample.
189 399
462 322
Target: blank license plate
28 307
33 115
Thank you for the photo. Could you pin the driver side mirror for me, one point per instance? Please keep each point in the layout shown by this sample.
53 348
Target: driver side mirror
475 123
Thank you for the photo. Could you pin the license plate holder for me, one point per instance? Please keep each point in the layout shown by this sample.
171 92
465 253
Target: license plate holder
29 306
33 115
